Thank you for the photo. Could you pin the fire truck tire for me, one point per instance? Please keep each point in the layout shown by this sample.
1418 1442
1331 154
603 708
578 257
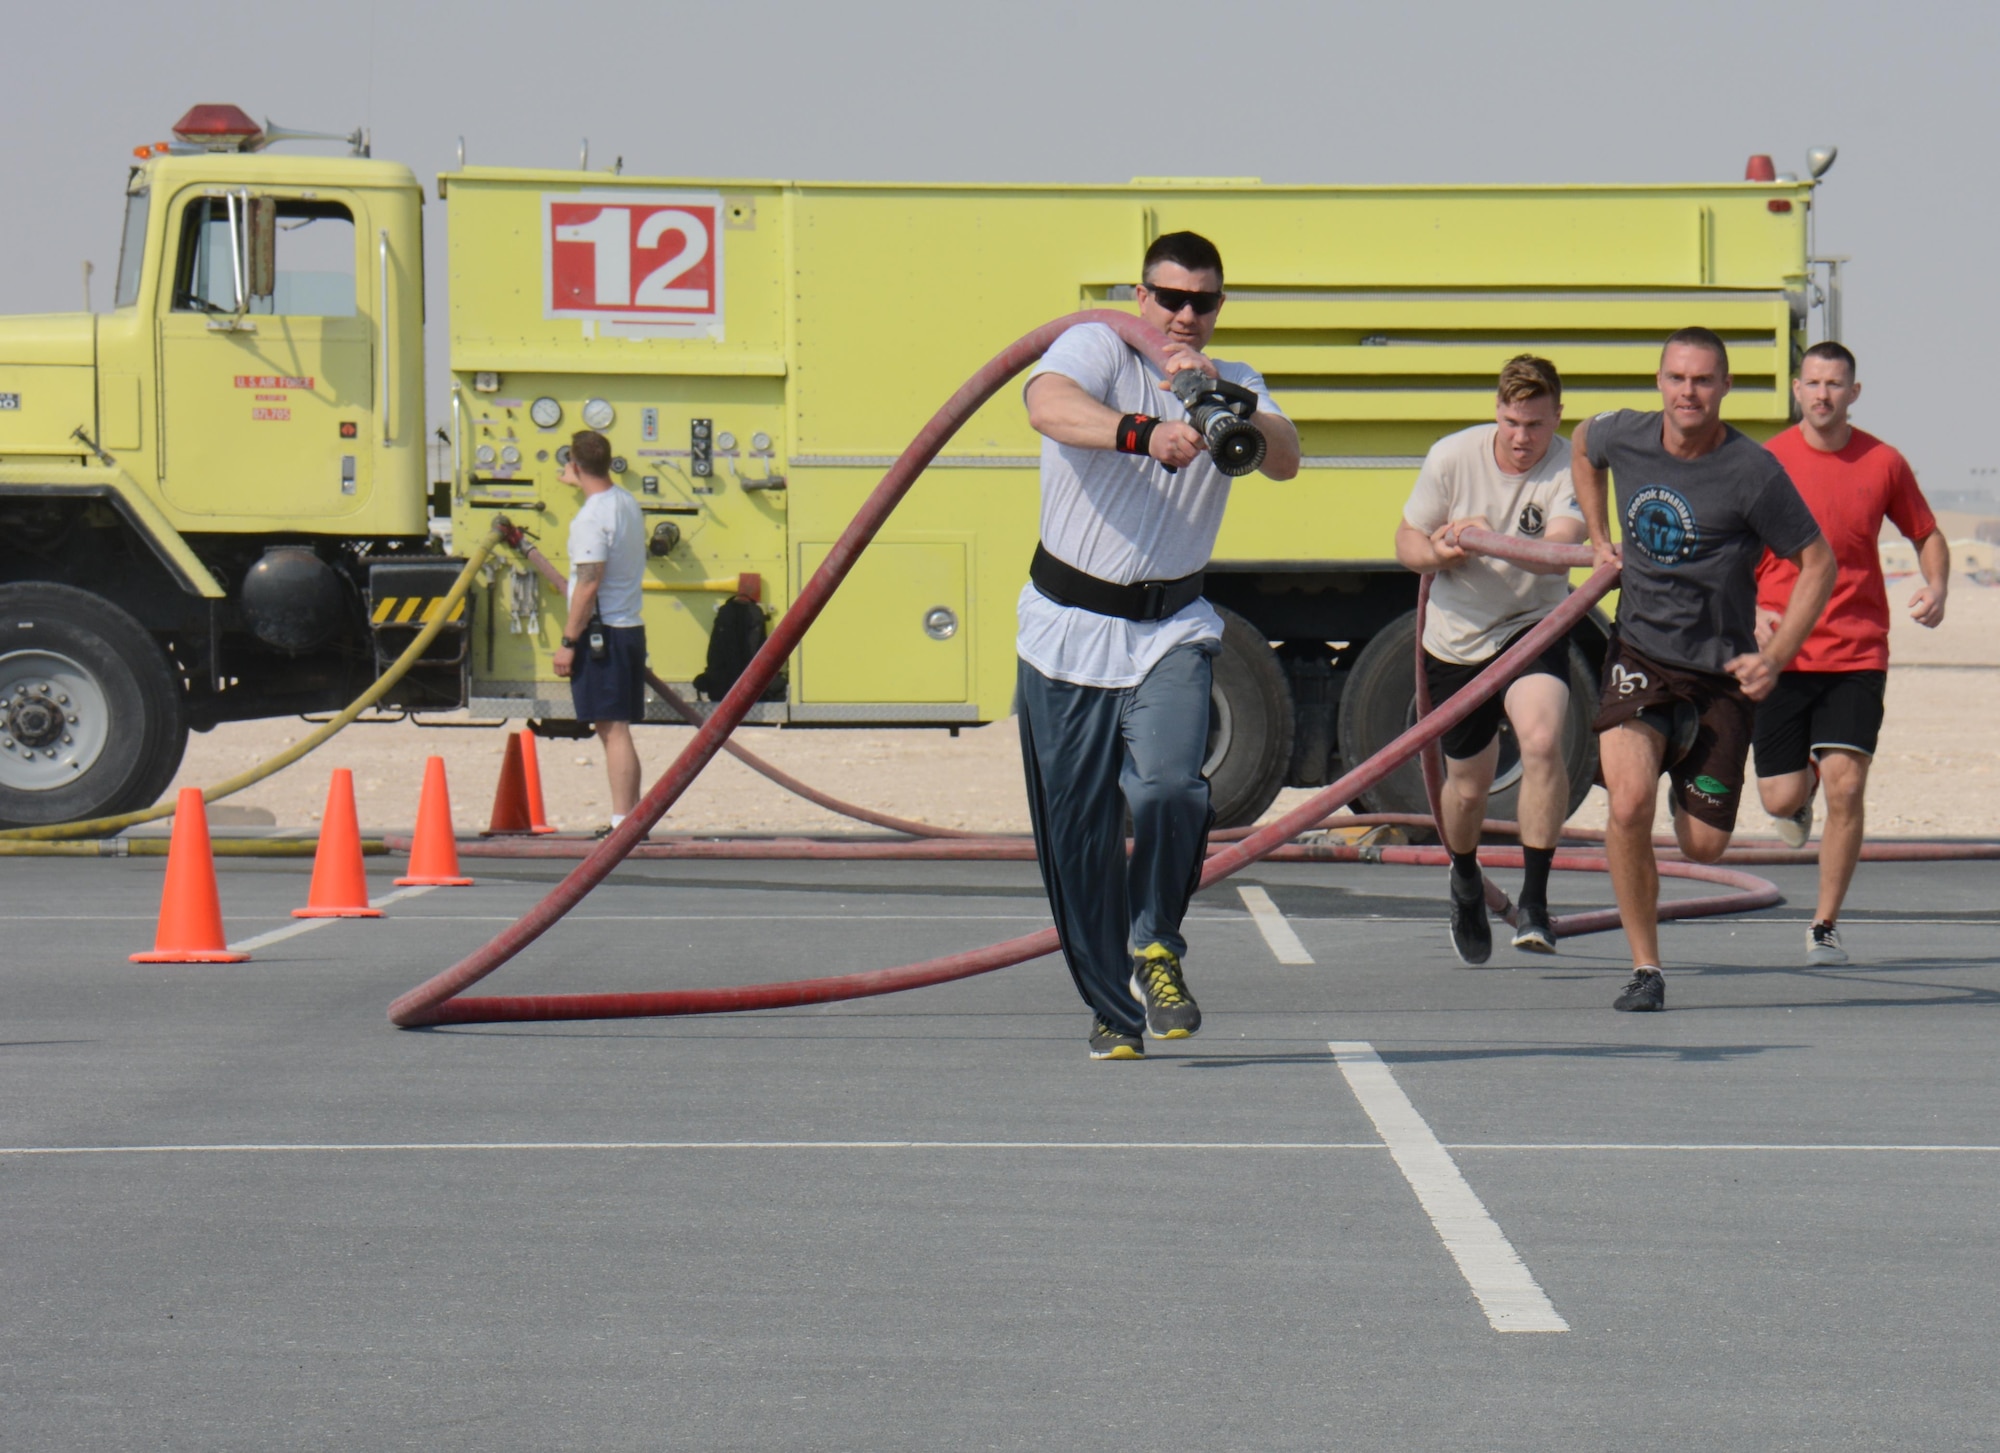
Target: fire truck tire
1379 704
165 764
1250 725
90 712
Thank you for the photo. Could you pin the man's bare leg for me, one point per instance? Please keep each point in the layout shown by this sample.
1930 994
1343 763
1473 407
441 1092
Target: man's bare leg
1699 840
1537 707
1462 803
1844 776
621 761
1631 756
1784 795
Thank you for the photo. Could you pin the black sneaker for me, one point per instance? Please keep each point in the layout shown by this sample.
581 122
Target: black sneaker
1156 982
1109 1043
1532 932
1646 994
1471 934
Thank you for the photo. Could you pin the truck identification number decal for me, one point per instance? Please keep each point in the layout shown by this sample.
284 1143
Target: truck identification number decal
273 380
650 258
10 401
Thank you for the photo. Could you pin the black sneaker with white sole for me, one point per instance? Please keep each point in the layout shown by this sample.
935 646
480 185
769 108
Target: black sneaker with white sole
1532 933
1109 1043
1471 932
1156 982
1646 994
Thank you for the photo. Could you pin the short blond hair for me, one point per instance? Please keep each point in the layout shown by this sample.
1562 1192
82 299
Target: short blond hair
1528 377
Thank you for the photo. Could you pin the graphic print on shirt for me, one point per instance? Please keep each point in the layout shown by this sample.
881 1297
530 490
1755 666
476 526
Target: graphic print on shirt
1661 523
1531 520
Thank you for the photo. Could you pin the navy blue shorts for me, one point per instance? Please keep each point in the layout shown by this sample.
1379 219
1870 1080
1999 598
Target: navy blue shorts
613 689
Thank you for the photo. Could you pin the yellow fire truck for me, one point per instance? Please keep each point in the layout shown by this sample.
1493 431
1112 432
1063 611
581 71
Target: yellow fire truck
214 501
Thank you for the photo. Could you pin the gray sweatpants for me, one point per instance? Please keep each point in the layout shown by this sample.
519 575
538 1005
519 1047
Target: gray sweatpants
1091 752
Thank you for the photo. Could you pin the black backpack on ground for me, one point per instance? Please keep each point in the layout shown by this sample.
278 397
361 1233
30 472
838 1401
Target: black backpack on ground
737 637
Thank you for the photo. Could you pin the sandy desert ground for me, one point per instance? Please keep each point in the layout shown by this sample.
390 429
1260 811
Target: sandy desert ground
1938 771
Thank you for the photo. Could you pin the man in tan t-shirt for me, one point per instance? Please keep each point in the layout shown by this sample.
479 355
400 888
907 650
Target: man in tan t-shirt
1511 477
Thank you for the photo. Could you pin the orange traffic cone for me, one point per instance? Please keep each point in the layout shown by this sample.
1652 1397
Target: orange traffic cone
339 885
190 929
510 797
531 774
434 846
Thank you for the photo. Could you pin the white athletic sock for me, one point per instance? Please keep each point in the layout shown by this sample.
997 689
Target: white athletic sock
616 818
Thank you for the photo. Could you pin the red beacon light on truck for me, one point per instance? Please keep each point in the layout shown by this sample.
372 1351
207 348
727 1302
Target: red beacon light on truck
1762 169
219 128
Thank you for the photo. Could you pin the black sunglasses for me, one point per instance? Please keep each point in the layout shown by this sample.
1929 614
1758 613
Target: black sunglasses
1174 299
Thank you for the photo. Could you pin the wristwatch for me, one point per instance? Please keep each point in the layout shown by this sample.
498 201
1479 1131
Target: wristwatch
569 643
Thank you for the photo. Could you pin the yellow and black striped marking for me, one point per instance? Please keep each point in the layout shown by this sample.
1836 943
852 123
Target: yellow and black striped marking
413 610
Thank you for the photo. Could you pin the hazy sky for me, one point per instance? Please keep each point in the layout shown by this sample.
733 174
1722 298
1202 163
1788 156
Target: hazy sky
1028 91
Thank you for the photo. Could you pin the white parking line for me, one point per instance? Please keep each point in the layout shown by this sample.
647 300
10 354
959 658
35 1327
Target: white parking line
344 1147
307 925
1271 923
280 1148
1508 1292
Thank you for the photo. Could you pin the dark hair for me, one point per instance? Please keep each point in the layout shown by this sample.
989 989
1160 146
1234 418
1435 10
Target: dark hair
1528 377
1699 337
590 451
1832 352
1184 249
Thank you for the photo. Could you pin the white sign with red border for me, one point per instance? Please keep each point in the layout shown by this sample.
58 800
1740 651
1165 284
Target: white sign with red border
639 262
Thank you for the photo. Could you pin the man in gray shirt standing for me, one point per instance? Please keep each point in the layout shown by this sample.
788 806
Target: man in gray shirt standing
1700 502
1115 644
603 651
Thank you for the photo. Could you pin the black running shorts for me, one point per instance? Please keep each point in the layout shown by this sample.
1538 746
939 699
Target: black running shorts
1708 781
1817 711
1447 678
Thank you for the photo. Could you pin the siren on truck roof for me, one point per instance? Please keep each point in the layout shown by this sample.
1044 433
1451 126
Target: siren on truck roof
215 127
219 128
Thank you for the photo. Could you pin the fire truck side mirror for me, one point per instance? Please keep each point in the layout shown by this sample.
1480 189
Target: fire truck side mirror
262 247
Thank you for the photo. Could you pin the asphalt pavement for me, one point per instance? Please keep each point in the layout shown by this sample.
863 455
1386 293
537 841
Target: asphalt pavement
244 1212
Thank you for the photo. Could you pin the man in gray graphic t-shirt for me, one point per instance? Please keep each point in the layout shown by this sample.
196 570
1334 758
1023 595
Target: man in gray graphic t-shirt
1700 502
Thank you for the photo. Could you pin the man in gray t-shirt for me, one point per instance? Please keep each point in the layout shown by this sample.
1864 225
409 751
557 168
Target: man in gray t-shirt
1700 502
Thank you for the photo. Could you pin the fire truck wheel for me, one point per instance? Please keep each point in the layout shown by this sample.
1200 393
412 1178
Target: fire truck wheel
1379 704
1250 725
90 713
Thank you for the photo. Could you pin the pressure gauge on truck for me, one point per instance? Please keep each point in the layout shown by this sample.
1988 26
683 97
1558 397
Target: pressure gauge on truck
484 457
597 414
546 412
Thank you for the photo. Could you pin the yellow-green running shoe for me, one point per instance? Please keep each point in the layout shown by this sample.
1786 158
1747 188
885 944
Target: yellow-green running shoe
1109 1043
1171 1012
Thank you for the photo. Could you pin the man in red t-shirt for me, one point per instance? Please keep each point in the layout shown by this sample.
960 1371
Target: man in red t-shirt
1820 725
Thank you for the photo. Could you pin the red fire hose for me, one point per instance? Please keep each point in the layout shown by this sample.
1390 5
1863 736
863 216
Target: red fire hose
433 1001
436 1002
423 1004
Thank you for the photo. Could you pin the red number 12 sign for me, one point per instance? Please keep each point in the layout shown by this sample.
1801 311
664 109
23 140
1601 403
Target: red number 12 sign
634 257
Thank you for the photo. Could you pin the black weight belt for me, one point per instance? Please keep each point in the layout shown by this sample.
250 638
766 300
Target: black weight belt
1142 600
